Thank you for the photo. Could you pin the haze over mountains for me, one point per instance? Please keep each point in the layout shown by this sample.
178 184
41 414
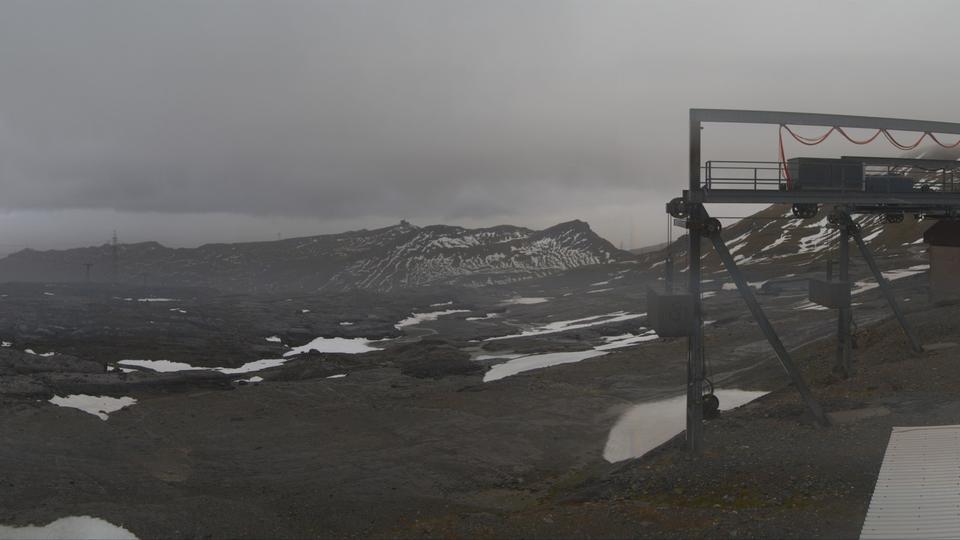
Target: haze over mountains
396 257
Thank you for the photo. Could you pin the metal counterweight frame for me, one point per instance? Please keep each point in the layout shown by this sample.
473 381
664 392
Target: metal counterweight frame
700 225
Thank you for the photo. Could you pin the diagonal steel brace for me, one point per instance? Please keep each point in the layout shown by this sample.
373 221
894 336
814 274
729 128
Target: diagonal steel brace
882 282
760 317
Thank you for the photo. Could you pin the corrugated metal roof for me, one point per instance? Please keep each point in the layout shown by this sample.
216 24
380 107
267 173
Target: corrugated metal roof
918 490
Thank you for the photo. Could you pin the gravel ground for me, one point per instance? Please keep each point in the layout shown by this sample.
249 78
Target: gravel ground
391 451
767 470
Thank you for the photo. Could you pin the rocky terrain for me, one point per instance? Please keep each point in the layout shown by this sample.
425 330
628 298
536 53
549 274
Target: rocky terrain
382 260
511 410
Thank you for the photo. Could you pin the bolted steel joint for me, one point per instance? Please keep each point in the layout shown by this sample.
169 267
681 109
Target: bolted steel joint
711 227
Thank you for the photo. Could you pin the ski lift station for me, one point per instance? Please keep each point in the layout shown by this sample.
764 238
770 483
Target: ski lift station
840 187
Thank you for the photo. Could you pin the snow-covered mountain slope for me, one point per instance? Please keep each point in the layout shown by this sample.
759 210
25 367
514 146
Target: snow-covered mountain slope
391 258
774 236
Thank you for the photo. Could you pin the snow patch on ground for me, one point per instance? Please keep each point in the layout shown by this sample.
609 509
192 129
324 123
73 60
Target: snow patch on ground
72 527
626 340
166 366
417 318
323 345
537 361
334 345
100 406
485 317
523 301
160 366
156 299
563 326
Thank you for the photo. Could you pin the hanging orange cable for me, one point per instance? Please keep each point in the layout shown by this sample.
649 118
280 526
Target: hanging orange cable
812 141
854 141
936 140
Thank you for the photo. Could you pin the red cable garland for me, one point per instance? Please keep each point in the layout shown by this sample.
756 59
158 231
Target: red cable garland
812 141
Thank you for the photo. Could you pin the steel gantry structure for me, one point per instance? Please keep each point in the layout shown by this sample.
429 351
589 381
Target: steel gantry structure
843 187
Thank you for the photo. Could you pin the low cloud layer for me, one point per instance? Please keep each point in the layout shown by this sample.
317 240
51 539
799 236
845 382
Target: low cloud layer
326 115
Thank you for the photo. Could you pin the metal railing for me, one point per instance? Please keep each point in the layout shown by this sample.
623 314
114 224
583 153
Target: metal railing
755 175
769 175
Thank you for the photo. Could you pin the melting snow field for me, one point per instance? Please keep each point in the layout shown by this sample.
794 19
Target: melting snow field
626 340
562 326
161 366
73 527
524 301
334 345
537 361
418 318
518 363
166 366
100 406
323 345
648 425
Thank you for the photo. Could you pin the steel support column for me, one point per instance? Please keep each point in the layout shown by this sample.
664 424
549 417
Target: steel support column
760 317
844 363
885 288
695 355
695 367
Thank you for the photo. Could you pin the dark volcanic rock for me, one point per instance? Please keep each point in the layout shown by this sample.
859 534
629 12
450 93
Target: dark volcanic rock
433 359
16 362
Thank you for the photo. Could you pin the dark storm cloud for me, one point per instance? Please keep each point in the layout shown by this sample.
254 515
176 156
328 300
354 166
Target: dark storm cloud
467 111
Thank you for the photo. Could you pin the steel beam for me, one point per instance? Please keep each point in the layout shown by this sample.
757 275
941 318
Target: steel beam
844 363
934 164
695 354
760 317
733 116
931 200
885 288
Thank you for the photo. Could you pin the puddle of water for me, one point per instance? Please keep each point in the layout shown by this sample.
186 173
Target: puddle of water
73 527
537 361
99 406
648 425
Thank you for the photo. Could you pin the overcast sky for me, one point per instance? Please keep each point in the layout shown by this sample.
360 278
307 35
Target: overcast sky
190 122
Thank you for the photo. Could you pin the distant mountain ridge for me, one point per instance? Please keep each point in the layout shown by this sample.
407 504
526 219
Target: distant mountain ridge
390 258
